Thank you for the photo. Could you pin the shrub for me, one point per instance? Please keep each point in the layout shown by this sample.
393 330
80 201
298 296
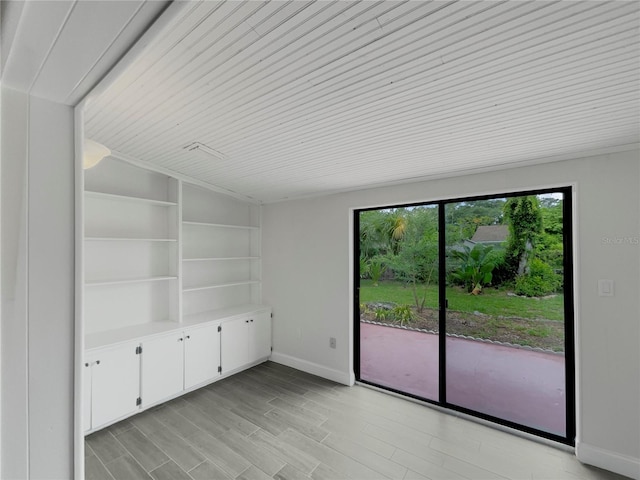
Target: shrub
364 267
476 266
541 280
376 269
380 314
402 313
501 273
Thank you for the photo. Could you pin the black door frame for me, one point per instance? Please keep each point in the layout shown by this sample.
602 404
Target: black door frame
567 220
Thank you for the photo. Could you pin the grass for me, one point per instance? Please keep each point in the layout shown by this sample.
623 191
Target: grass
494 302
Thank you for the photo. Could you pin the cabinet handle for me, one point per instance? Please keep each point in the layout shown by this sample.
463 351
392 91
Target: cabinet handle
180 339
97 362
86 364
246 321
188 337
251 320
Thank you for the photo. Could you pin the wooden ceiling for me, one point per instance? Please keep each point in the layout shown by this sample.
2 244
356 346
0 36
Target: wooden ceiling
298 98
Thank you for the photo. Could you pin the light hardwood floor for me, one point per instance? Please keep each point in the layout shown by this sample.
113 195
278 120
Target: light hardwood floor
274 422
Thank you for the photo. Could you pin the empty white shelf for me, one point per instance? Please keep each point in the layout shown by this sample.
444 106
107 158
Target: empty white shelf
220 285
125 198
215 259
128 239
220 225
94 283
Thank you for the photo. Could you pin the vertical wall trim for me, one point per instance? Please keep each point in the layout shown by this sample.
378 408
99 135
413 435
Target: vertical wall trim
577 351
78 407
179 246
26 281
1 291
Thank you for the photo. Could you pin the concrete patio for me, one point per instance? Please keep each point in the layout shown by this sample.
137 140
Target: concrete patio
519 385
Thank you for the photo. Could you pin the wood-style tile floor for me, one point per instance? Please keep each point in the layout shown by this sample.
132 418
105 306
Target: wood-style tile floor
274 422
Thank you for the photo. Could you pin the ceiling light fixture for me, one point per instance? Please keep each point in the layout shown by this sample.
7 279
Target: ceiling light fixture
201 147
94 152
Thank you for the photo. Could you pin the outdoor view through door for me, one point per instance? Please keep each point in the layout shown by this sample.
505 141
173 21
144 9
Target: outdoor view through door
468 304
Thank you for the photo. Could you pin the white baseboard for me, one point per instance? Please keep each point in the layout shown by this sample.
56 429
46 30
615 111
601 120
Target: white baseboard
346 378
608 460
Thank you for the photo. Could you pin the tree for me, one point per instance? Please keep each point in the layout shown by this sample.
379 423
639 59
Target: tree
381 231
525 223
464 218
415 258
549 244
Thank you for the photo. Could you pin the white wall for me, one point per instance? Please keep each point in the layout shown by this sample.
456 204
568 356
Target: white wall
37 287
13 168
307 268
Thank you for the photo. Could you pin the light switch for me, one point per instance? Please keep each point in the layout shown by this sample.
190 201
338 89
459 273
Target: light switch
605 288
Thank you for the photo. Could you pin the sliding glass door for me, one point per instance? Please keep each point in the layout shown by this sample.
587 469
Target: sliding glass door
468 304
398 299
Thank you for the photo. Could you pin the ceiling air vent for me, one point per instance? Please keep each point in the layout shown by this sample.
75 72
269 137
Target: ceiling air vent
201 147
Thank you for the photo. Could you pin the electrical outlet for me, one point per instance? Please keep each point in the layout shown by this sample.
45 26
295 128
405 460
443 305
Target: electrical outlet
332 342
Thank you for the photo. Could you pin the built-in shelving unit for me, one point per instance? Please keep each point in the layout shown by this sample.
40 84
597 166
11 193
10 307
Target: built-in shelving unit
158 250
172 290
220 252
131 267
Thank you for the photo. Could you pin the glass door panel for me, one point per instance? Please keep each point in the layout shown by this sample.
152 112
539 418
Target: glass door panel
505 317
398 299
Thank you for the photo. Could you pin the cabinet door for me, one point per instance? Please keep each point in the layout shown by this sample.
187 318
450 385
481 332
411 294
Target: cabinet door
115 383
162 368
259 337
234 344
201 355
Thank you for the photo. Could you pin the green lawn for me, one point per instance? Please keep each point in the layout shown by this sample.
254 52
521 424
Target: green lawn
492 301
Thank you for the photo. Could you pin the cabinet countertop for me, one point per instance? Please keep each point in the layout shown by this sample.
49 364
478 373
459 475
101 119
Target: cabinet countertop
136 333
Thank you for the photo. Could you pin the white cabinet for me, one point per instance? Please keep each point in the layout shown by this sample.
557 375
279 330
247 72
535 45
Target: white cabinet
259 336
201 355
246 340
234 344
162 367
111 384
179 361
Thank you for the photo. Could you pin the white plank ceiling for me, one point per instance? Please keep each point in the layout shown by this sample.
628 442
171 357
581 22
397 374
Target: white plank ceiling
59 50
306 98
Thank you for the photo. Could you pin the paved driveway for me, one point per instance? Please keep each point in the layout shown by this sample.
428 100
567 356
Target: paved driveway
523 386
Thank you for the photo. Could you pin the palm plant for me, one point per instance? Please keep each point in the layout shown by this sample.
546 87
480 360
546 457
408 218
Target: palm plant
476 266
376 269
